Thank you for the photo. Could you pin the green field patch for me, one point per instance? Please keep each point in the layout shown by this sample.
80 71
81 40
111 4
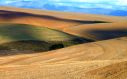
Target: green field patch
28 38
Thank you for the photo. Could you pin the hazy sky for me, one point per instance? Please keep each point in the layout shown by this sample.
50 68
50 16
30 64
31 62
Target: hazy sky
112 4
40 4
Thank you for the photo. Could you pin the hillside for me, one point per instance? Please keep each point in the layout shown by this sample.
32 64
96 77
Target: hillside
25 38
94 63
83 25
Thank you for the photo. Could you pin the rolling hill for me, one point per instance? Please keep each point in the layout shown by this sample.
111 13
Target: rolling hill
93 63
25 38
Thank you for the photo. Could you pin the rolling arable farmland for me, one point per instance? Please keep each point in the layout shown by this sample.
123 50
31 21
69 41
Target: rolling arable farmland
42 44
